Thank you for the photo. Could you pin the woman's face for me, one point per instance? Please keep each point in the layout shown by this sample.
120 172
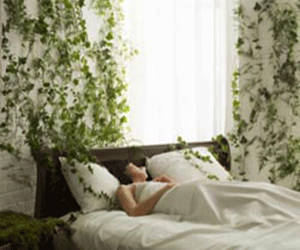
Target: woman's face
135 173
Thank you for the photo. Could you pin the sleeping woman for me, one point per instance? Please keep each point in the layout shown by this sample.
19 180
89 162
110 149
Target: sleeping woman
233 203
134 198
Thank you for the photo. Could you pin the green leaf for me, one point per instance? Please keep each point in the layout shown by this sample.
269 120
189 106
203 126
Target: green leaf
91 170
258 47
110 36
236 104
22 60
76 55
29 87
81 3
3 124
83 36
75 82
111 21
257 7
67 4
123 119
213 177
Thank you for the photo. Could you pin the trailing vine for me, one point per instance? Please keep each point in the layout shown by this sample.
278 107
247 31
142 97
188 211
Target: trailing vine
266 89
59 89
220 152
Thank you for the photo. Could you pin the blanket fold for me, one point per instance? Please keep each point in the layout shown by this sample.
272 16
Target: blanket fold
240 205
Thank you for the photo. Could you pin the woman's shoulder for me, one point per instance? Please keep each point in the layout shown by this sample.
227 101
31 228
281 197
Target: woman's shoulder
132 187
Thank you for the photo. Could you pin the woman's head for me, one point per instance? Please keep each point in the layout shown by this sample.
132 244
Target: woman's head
136 174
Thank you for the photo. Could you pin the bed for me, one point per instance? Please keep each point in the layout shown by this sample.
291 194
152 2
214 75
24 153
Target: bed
219 219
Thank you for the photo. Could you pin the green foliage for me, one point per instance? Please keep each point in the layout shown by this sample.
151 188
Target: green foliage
213 177
221 151
277 142
62 90
67 86
25 232
189 153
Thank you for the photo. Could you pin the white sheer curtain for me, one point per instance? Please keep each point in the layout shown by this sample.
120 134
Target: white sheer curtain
179 80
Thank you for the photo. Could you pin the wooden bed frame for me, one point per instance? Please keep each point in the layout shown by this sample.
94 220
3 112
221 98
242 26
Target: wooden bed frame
53 197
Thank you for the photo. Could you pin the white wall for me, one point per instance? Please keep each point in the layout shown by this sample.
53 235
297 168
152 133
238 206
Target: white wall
17 178
17 184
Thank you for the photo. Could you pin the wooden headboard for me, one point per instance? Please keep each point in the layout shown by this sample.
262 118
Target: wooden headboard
53 197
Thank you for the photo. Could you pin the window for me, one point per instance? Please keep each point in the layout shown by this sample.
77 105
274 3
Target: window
179 81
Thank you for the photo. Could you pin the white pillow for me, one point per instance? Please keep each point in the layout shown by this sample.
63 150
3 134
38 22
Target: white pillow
101 180
175 165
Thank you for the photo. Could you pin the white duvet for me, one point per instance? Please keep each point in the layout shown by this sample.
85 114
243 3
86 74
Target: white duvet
201 215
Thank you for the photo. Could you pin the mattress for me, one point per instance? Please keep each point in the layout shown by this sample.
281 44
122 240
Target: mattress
271 221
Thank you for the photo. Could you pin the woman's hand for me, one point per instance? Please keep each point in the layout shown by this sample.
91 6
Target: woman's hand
163 178
171 185
127 201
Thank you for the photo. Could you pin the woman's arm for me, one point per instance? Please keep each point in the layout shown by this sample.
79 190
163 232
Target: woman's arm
132 208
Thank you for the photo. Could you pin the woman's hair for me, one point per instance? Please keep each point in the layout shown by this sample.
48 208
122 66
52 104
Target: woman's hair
118 169
149 178
125 177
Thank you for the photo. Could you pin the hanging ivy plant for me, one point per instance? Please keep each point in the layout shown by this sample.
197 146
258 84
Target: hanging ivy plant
59 89
266 89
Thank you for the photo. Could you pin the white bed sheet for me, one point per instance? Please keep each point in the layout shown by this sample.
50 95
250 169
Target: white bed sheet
115 230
